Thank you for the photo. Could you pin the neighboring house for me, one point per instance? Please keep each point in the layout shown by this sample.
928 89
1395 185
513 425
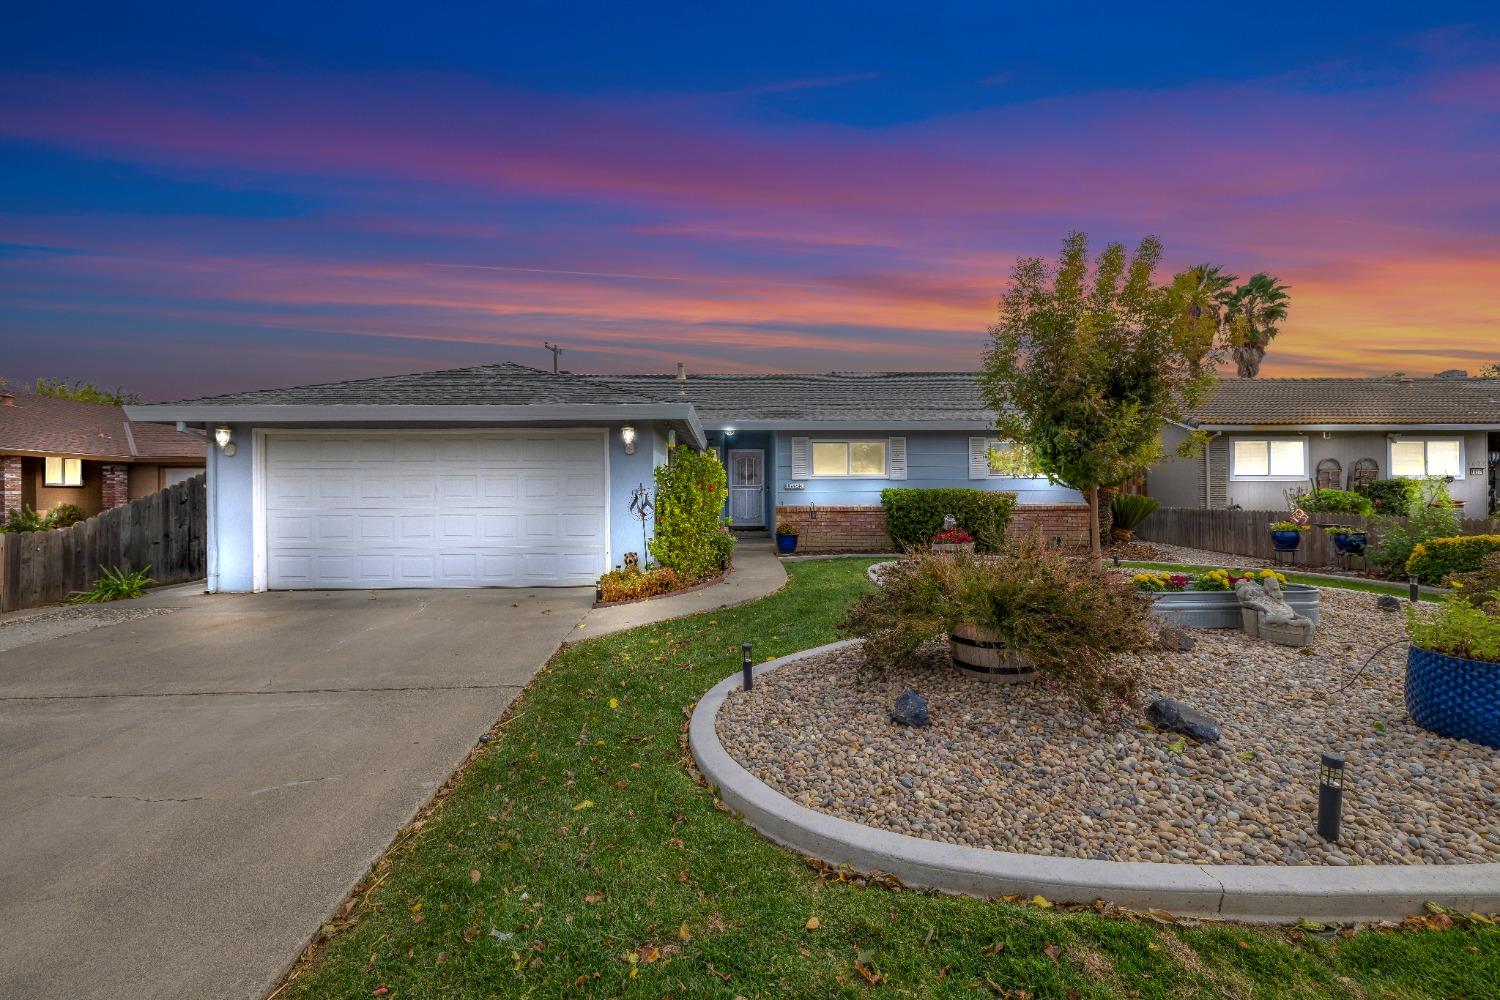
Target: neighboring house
1270 439
56 451
505 475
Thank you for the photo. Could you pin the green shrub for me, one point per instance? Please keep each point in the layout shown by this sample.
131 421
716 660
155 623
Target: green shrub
1458 629
1391 496
1336 502
1432 516
1436 559
1480 587
23 520
913 516
115 585
1067 615
65 515
1129 510
691 537
634 584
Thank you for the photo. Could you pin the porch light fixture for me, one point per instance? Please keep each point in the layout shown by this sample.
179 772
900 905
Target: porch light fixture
627 435
224 440
1330 796
729 432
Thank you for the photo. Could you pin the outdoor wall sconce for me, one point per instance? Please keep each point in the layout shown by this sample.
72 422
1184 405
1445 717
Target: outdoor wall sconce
627 435
729 432
224 440
1330 796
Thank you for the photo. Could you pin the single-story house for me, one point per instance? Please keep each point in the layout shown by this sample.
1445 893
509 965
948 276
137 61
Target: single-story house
505 475
1274 438
55 451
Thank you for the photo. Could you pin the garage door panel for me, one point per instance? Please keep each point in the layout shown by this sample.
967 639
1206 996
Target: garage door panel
441 510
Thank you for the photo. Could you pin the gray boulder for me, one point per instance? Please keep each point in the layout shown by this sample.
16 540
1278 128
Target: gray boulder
1385 602
911 710
1175 717
1175 639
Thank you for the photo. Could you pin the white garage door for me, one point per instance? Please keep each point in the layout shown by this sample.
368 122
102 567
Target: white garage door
435 509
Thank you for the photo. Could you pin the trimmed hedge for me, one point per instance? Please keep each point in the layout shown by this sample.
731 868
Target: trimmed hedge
1391 496
1336 502
913 516
1436 559
691 537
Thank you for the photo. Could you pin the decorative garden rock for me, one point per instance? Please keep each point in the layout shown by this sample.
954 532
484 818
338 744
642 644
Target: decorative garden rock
1385 602
1175 717
1176 640
911 710
1275 619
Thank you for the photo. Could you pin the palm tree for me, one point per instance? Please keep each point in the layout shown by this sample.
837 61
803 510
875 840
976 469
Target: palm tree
1206 292
1253 315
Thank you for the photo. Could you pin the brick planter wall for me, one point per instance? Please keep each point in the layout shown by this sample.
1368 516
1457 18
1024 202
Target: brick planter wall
116 485
10 484
861 528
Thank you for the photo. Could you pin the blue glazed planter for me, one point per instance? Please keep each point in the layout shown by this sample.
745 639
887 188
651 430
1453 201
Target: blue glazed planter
1351 545
786 544
1453 697
1286 541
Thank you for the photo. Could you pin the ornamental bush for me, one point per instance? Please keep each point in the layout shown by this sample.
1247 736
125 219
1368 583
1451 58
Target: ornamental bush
1391 496
1459 629
1067 615
1436 559
913 516
1336 502
634 584
1481 587
691 535
1432 516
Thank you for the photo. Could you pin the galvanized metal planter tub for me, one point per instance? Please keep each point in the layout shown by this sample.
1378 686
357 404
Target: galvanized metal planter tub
1221 608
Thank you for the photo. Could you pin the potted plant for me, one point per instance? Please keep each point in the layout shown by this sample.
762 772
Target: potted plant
953 540
1453 669
1287 535
1349 539
1128 511
786 539
1032 611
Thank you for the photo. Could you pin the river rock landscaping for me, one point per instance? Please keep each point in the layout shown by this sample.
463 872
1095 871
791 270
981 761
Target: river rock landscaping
1024 769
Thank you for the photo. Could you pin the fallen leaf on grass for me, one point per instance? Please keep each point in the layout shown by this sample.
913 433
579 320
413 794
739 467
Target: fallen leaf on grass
866 973
1042 902
683 933
1053 952
989 949
474 876
813 923
593 898
585 804
1152 946
722 975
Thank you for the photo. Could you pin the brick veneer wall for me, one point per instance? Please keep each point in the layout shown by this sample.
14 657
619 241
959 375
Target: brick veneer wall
10 484
115 491
861 528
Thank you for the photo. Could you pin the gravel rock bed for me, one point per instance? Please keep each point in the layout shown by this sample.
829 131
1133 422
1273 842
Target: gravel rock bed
1024 769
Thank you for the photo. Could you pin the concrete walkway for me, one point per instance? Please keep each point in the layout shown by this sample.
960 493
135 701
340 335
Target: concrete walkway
185 796
757 572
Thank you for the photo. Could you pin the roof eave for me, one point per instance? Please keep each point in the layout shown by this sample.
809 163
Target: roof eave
1385 425
799 424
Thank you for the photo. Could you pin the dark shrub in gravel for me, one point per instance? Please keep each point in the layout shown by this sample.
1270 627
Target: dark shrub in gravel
1067 615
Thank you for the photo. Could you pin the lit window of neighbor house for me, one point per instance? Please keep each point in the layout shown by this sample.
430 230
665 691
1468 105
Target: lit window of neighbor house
1428 457
62 471
848 458
1269 459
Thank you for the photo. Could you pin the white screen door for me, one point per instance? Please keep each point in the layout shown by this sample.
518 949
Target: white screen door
747 487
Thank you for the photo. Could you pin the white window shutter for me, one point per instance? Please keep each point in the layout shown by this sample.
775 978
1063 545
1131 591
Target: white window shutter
895 458
800 458
979 458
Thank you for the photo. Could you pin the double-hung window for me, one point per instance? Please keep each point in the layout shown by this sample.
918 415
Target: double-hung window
62 471
1417 457
848 458
1268 458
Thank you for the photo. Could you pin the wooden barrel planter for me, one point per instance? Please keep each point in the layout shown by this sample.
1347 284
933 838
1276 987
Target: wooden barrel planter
981 654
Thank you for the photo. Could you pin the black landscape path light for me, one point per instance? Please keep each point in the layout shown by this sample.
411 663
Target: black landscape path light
1412 593
1330 796
745 664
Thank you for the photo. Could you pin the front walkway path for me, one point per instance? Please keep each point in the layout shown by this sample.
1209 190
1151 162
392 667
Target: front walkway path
757 572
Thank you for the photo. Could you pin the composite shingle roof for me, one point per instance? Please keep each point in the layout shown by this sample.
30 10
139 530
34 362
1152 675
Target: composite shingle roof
1375 401
52 426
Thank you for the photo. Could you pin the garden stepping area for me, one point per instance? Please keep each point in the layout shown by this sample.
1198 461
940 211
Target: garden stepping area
1023 769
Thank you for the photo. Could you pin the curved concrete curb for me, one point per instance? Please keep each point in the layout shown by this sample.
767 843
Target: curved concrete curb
1258 894
874 570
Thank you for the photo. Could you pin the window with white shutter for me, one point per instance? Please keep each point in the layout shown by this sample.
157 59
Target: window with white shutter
896 458
801 462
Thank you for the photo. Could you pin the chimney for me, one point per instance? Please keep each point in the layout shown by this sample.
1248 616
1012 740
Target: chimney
7 399
681 378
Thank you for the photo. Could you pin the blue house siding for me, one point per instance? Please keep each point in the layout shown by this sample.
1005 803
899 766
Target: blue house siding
934 459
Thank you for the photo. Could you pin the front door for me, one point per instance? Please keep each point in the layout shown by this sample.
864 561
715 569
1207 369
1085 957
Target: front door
747 487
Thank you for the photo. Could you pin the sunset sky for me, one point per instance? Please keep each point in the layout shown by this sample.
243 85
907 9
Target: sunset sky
195 200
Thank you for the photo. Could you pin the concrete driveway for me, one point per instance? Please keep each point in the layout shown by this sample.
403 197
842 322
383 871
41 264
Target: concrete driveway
184 797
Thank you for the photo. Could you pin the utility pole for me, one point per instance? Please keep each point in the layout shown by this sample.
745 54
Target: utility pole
556 350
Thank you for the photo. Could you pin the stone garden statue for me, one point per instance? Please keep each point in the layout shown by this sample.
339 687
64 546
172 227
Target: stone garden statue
1268 615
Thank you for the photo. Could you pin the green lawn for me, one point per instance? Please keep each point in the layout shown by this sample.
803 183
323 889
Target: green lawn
576 857
1345 583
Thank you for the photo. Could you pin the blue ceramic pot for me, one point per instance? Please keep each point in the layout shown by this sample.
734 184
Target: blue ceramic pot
1286 541
1453 697
1351 545
786 544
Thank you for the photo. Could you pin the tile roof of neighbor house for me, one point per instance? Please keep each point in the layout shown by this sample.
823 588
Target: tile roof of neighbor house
1375 401
843 396
45 425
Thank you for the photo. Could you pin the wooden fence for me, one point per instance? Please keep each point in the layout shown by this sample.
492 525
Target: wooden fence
164 531
1246 532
